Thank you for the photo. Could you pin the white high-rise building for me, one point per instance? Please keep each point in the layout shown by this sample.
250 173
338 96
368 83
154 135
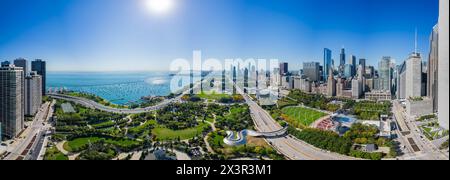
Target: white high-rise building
413 76
443 90
11 100
356 89
33 93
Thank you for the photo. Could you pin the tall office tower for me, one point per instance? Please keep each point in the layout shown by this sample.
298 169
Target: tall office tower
223 81
413 76
401 81
342 61
443 90
370 71
284 68
33 95
246 80
234 79
276 77
21 62
191 83
327 63
339 87
5 63
362 62
356 89
354 67
312 71
331 84
348 71
432 69
40 67
11 101
385 78
361 79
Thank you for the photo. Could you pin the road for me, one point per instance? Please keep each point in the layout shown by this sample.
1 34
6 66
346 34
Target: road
417 145
33 140
291 147
94 105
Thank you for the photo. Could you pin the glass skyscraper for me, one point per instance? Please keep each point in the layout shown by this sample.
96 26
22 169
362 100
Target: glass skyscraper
327 62
385 73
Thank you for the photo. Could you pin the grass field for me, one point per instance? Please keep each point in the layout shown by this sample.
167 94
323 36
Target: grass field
53 154
302 115
168 134
79 143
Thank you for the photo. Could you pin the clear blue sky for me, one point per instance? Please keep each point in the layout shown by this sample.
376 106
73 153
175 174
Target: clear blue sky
107 35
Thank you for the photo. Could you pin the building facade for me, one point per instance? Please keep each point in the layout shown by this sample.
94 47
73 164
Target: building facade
40 67
312 71
33 95
443 67
413 76
385 77
11 101
327 62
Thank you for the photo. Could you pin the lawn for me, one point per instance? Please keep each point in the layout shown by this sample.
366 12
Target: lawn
140 129
163 133
302 115
53 154
78 144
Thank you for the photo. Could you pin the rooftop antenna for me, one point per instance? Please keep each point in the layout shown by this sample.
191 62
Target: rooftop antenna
415 42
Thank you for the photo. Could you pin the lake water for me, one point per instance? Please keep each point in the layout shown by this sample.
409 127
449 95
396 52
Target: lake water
118 87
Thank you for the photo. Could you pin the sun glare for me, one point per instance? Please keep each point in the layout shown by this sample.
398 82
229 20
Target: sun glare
159 6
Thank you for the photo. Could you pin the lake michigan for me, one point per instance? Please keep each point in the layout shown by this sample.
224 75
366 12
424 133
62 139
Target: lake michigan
117 87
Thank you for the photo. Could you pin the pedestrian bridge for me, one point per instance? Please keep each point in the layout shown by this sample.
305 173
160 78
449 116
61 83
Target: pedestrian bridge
240 138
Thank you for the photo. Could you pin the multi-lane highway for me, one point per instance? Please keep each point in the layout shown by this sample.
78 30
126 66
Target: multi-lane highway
291 147
94 105
418 147
33 135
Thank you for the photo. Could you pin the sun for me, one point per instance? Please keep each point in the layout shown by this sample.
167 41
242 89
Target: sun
159 6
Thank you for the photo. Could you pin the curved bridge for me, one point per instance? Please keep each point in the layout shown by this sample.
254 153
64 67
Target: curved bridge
235 139
94 105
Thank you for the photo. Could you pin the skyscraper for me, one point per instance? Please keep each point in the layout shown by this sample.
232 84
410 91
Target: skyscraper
11 101
432 69
246 80
33 95
327 62
234 79
443 89
342 57
342 62
348 71
284 68
21 62
40 67
385 77
331 84
401 81
5 63
413 76
312 71
223 81
361 79
354 65
362 63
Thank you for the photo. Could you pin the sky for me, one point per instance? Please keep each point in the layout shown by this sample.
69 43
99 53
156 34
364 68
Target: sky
124 35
